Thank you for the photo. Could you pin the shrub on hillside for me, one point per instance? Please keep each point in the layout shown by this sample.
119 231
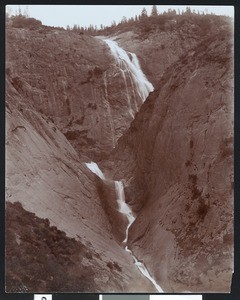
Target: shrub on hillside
41 258
21 21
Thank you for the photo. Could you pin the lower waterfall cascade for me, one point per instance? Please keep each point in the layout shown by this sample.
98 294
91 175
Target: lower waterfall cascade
125 210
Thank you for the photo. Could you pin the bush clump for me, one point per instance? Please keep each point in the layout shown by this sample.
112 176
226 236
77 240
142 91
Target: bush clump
21 21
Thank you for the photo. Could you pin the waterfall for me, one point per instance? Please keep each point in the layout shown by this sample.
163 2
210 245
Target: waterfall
131 111
108 107
92 166
144 271
125 210
123 207
128 62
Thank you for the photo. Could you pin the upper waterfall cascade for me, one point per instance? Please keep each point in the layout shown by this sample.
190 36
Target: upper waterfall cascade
128 62
95 169
125 210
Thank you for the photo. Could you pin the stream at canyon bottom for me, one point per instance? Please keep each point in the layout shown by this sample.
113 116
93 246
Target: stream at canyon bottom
125 210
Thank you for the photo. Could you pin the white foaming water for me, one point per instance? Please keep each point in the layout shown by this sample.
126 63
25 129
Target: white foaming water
92 166
110 118
123 207
128 61
144 270
126 210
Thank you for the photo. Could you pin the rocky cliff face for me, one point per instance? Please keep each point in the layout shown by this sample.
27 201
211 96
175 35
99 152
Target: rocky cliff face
75 81
44 174
177 162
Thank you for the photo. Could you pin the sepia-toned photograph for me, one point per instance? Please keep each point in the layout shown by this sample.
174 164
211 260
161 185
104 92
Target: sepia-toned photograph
119 149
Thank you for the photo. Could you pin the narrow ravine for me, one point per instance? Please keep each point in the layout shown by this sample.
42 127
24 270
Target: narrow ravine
129 65
125 210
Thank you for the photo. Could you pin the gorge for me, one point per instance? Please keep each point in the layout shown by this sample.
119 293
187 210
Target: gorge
125 210
119 157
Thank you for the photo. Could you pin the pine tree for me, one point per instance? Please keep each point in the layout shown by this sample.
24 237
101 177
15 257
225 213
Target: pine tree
131 20
124 20
19 12
144 13
188 10
25 12
154 12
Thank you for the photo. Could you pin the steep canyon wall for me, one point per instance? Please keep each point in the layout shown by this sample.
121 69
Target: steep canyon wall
55 92
177 162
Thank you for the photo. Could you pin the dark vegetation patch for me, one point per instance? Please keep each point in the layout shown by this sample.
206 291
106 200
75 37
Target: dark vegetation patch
191 144
68 107
79 121
190 22
39 257
92 105
203 207
97 71
226 147
21 21
17 83
114 266
72 135
80 136
117 267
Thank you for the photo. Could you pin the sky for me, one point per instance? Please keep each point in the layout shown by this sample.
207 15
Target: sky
84 15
